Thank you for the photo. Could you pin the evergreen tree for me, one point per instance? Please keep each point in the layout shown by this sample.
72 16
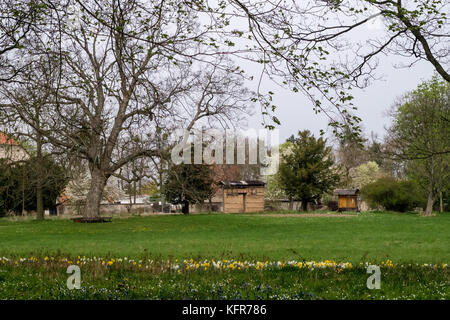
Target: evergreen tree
307 170
19 184
188 184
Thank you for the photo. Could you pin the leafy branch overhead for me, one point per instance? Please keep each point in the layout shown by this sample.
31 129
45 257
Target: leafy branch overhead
308 46
311 46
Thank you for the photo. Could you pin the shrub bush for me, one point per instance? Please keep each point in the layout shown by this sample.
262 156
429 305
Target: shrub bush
393 195
332 205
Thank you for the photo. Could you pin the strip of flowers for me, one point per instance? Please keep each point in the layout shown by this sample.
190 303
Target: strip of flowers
193 265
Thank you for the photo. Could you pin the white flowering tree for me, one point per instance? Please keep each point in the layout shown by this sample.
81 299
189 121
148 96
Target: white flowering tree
365 173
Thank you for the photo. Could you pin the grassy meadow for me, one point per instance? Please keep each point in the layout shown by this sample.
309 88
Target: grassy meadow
256 256
364 237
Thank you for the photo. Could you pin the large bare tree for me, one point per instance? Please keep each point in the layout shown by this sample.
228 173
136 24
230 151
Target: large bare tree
111 83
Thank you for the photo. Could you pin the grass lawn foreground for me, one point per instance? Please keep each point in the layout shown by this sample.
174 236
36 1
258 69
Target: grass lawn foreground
163 252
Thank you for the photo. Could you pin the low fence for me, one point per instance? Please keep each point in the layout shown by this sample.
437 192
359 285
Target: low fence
206 207
139 208
111 209
283 205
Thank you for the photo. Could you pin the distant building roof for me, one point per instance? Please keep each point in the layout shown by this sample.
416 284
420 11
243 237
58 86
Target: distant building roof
346 192
11 150
4 139
241 184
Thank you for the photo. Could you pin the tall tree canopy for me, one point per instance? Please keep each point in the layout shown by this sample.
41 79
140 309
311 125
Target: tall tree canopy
420 135
107 85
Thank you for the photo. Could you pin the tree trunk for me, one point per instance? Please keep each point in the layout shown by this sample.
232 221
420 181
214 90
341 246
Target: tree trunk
430 201
304 205
39 192
92 206
129 192
23 192
161 189
185 208
441 202
39 201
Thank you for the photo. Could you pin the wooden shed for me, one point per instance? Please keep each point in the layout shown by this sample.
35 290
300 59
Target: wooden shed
347 199
243 196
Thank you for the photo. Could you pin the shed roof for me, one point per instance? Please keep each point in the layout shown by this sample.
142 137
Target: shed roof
241 184
346 192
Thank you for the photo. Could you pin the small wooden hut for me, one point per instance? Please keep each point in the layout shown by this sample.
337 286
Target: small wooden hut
242 196
347 199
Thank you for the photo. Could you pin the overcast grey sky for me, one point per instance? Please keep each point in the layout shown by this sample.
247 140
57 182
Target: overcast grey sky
295 111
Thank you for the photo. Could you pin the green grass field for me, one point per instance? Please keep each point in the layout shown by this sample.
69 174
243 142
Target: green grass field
366 237
34 256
